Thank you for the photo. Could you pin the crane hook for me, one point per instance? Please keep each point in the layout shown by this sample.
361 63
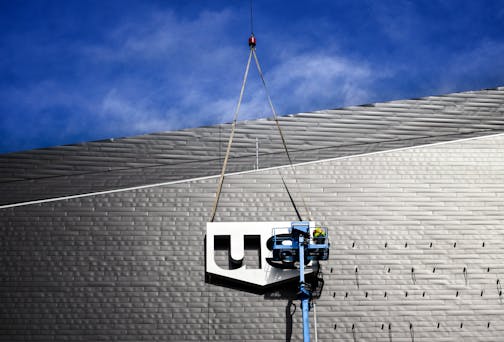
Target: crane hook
252 41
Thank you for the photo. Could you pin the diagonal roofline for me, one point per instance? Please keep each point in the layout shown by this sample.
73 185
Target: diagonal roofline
98 193
192 153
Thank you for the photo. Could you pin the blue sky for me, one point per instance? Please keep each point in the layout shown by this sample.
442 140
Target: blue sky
75 71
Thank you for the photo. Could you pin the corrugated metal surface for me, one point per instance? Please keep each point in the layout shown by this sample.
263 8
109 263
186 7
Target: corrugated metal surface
417 240
153 158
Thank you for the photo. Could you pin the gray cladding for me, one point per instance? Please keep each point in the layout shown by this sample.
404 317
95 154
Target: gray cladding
417 234
416 255
170 156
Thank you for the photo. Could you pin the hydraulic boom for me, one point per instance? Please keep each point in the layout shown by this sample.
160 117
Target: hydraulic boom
298 246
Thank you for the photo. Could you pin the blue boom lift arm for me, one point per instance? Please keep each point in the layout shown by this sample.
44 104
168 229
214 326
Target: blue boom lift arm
300 246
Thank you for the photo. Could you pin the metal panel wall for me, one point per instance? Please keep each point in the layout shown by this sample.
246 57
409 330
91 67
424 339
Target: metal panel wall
168 156
417 241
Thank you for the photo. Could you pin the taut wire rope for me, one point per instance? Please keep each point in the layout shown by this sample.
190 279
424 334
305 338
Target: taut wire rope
282 137
233 127
252 44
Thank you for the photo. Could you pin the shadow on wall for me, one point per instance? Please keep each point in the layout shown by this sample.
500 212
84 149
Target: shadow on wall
290 310
285 291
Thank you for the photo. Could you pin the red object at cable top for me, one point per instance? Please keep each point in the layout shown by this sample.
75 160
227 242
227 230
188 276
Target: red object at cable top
252 41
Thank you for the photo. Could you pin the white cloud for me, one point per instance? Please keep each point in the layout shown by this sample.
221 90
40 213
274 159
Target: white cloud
317 78
177 68
166 73
300 83
201 72
161 70
163 36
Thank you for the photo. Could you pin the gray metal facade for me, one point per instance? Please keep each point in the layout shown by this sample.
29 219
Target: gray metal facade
417 233
152 158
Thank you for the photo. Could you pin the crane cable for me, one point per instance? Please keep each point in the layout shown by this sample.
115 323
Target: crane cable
251 18
277 122
228 150
284 143
252 44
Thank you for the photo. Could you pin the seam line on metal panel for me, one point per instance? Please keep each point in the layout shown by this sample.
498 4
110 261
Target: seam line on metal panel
55 199
245 155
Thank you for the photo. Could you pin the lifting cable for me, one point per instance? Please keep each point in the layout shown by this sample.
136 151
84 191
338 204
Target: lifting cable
233 127
252 44
284 143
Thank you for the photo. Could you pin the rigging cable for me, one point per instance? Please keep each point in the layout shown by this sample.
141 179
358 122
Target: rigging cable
233 127
284 143
252 44
251 19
